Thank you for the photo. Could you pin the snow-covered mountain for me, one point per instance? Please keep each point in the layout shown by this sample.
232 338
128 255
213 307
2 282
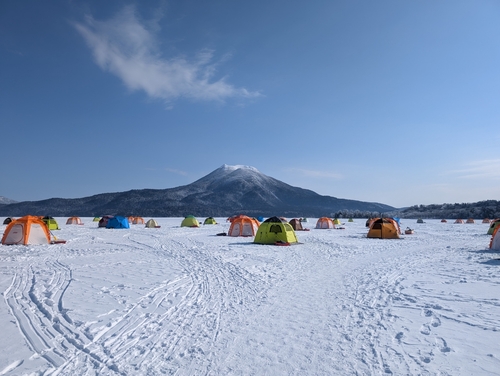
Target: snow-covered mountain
227 190
6 201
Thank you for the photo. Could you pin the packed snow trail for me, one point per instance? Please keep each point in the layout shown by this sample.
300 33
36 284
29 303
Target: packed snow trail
186 302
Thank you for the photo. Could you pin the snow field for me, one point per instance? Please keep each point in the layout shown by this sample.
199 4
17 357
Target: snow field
186 302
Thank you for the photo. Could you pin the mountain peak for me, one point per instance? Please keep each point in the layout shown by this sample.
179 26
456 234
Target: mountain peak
226 167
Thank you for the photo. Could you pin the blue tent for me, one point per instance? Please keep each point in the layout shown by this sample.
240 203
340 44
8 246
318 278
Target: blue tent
118 222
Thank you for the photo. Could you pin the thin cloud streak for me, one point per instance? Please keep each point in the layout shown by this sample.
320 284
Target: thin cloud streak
178 172
124 47
486 169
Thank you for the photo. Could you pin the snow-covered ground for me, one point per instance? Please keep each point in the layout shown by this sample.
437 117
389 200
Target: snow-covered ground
186 302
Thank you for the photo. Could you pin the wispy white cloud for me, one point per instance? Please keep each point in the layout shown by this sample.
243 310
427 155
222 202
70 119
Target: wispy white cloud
174 171
128 49
485 169
317 174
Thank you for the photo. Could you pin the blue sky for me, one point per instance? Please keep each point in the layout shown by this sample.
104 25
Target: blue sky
390 101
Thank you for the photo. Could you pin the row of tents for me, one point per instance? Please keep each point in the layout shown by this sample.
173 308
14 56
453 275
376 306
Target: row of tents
275 230
460 220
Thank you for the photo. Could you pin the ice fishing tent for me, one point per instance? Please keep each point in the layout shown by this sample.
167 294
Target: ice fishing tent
495 240
152 224
26 230
138 221
383 228
493 225
243 226
459 221
273 230
190 221
74 221
8 220
470 220
486 220
104 220
368 222
420 220
296 224
336 221
210 221
118 222
96 219
324 222
444 221
350 220
51 223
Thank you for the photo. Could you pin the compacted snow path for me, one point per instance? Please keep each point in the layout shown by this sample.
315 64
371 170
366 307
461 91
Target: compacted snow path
186 302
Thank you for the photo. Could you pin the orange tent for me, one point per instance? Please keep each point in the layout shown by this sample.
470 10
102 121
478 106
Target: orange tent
470 220
138 221
459 221
74 221
384 228
443 221
26 230
486 220
324 222
243 226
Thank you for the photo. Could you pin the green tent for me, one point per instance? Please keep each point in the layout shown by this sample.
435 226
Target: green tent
494 224
210 221
350 220
274 230
336 221
96 219
51 223
190 221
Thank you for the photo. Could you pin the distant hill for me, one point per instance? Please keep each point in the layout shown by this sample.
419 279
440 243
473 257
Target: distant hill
478 210
226 191
6 201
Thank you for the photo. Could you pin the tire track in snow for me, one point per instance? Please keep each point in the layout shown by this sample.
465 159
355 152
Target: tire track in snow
369 317
174 326
35 299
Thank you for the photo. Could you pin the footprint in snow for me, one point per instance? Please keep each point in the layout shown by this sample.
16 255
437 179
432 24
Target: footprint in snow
435 322
442 345
425 329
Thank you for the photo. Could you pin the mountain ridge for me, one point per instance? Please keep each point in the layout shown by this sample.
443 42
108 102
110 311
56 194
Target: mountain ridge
225 191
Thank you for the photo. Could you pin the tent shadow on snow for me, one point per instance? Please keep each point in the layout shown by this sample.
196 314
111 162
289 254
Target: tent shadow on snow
486 250
495 262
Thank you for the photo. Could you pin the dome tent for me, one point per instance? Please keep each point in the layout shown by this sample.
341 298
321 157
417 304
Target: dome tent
51 223
296 224
190 221
243 226
152 224
138 221
495 240
26 230
324 223
104 220
383 228
118 222
493 225
74 221
273 230
210 221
